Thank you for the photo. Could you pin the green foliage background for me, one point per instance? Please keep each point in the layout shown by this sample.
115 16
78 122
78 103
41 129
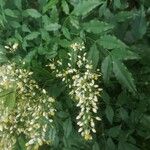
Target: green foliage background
116 34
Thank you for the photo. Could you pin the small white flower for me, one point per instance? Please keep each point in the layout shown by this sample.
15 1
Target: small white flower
15 46
44 91
7 47
94 110
92 124
98 118
31 142
80 129
94 131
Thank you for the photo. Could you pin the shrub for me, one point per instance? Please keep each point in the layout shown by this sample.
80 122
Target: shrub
71 66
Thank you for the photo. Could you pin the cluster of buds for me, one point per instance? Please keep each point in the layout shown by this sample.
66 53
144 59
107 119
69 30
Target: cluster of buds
29 109
12 47
81 78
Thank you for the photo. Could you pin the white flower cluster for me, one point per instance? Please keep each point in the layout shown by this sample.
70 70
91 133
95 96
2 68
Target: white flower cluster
81 79
33 111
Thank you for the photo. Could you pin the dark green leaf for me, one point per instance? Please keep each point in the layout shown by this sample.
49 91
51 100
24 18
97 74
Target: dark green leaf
139 25
107 68
97 26
25 28
52 27
18 3
15 24
10 13
32 13
3 57
64 43
85 7
74 21
93 56
105 97
65 7
123 75
95 146
127 146
109 113
32 36
111 42
124 54
51 133
21 143
10 99
28 58
67 126
50 5
114 131
124 15
66 33
110 144
123 114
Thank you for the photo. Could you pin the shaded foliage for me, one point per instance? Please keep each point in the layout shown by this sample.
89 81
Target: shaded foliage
116 34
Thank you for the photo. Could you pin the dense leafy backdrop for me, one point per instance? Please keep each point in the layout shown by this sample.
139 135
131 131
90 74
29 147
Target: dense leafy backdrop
116 34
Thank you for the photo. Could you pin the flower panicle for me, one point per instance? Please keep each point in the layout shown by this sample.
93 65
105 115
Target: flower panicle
33 104
82 82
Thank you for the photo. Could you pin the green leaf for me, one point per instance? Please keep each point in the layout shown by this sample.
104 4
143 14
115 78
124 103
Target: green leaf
32 35
18 36
110 144
109 113
105 97
66 33
117 4
45 35
25 28
3 57
10 13
49 5
54 17
95 146
24 44
126 146
139 25
64 43
51 133
2 3
93 56
145 121
106 68
96 26
114 131
123 114
111 42
84 7
45 20
67 126
74 21
65 7
32 13
124 54
21 142
52 27
18 4
10 99
124 15
15 24
123 75
28 58
2 21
